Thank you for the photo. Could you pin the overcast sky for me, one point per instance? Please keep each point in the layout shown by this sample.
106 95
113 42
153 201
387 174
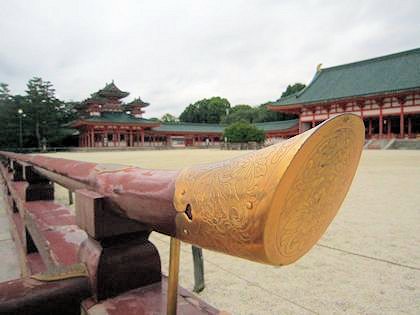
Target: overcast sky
172 53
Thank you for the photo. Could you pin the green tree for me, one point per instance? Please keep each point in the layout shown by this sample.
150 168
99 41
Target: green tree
292 89
239 113
4 93
169 119
243 132
45 113
9 133
206 111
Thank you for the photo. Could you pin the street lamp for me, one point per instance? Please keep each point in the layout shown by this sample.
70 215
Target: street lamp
21 114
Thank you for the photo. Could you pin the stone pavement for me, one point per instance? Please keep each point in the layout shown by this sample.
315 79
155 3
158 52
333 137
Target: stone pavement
9 261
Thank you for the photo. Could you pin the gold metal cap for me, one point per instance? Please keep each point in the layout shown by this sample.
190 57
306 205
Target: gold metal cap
274 204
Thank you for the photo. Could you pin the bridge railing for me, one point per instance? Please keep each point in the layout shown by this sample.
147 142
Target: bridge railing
97 255
270 206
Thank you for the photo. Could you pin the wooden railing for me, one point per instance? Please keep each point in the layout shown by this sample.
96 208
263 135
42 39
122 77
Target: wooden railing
97 255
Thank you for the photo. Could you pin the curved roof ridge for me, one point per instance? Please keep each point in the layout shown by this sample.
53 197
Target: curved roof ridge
395 72
374 59
190 123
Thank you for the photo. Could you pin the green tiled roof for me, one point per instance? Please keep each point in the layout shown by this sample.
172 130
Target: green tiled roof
118 118
138 102
111 90
277 125
190 127
390 73
215 128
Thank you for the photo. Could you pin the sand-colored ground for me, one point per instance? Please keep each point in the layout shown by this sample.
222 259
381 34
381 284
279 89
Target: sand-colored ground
367 262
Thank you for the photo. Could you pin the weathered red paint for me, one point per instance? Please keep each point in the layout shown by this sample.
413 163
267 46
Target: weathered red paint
51 225
150 299
30 296
140 194
89 254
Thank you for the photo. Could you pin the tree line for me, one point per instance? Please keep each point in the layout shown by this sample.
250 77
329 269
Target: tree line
35 118
218 110
38 117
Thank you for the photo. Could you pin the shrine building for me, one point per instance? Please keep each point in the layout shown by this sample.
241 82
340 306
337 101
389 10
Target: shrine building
105 121
383 91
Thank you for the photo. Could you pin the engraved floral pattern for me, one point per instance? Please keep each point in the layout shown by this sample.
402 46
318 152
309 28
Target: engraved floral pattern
311 196
231 200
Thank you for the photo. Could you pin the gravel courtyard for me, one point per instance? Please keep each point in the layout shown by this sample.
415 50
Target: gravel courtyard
368 261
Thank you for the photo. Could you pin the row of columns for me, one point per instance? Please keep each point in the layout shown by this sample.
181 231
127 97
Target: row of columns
380 102
389 126
87 139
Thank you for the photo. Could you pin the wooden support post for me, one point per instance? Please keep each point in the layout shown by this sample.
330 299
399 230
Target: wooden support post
70 197
175 249
381 121
118 136
401 120
142 136
409 127
389 126
94 216
313 118
117 253
39 188
197 254
17 171
92 136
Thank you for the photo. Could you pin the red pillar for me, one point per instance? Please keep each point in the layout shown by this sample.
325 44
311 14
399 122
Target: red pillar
118 136
409 127
401 119
131 138
389 127
370 128
142 136
381 121
136 138
313 118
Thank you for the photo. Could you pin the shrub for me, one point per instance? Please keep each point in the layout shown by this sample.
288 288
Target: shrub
243 132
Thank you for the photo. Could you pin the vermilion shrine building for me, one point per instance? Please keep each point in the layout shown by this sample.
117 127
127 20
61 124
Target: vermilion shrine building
384 91
105 121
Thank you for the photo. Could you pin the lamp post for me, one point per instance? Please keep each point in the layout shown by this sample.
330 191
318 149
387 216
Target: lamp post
21 114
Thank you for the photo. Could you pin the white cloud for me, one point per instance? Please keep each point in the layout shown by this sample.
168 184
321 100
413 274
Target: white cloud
172 53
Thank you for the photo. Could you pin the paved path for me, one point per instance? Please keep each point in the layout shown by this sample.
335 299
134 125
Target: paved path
9 266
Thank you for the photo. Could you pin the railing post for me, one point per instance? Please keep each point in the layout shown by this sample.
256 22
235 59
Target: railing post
197 254
70 197
39 187
172 303
113 240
